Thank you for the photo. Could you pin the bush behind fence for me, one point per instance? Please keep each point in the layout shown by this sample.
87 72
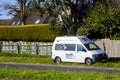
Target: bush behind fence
40 32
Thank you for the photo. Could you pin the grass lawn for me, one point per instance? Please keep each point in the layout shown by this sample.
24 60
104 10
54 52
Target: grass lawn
43 59
21 74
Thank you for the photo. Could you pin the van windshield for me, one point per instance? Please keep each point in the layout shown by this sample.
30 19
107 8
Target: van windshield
92 46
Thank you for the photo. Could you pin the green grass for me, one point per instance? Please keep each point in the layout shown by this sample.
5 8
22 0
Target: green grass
25 58
44 59
20 74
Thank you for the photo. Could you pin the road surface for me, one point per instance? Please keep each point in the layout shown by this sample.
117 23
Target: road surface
59 67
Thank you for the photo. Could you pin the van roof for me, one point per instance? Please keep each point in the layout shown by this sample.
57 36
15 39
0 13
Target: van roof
83 39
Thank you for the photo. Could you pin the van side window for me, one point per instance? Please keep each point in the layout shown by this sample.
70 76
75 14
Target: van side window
70 47
80 47
65 47
59 47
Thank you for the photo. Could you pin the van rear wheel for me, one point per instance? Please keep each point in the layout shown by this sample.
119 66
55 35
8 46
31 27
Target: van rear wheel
88 61
57 60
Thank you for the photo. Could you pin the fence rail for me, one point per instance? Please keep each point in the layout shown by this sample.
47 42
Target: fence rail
112 47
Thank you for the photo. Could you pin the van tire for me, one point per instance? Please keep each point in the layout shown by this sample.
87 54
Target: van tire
88 61
57 60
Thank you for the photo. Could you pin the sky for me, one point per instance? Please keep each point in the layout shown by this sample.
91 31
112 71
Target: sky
3 13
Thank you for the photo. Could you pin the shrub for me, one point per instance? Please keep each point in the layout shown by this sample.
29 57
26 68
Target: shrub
39 32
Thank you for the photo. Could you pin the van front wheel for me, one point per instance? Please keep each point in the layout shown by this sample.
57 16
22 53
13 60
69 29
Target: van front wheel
88 61
57 60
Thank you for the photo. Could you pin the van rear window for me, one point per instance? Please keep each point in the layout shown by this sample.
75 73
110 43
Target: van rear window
65 47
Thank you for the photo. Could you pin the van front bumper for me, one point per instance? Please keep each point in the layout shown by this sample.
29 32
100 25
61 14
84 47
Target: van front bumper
100 58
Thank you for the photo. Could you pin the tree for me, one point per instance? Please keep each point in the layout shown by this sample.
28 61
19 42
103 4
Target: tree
67 14
103 20
39 5
20 10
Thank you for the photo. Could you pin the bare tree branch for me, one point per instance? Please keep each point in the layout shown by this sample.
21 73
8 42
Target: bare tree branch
20 10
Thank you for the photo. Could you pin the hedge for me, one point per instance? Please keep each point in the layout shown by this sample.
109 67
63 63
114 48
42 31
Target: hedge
39 32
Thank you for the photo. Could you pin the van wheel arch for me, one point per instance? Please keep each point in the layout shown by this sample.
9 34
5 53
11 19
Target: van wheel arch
88 61
57 60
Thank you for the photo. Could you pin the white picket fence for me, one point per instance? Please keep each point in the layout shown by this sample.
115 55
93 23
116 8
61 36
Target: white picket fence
112 47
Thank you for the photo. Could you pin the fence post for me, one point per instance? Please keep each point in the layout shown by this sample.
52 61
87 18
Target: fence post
18 48
0 46
37 49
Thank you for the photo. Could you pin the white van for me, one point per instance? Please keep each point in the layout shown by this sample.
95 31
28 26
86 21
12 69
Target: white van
77 49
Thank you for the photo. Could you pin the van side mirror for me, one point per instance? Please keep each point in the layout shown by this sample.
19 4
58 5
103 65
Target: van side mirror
84 50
